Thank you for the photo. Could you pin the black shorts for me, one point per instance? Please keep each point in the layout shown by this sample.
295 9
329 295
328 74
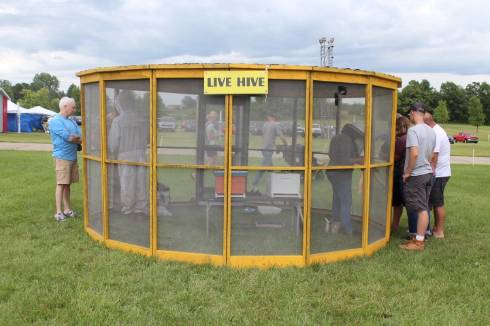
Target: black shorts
436 198
416 192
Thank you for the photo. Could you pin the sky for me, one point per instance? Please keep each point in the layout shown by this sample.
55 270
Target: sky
432 39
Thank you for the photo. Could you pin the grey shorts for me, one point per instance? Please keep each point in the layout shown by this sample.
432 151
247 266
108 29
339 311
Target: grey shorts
417 191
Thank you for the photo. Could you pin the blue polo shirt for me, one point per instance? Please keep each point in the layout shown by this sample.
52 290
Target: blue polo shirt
60 129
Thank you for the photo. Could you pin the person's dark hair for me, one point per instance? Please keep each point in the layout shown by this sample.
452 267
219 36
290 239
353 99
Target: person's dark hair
402 125
418 107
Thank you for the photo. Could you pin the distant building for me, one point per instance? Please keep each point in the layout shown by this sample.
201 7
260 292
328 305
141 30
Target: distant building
3 110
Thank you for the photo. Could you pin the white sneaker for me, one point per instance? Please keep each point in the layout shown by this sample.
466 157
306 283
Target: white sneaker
327 225
70 214
162 210
59 217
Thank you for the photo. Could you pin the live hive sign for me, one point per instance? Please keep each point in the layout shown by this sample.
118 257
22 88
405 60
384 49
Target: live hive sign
236 82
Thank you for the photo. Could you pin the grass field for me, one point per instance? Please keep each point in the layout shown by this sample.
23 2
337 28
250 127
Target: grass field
54 274
25 137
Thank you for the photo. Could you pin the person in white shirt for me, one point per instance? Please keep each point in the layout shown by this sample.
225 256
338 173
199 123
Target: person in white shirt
442 172
127 140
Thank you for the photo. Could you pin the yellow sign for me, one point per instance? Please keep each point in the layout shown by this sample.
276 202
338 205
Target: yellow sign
236 82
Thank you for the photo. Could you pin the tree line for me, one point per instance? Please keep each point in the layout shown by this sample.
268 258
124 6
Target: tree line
44 90
452 103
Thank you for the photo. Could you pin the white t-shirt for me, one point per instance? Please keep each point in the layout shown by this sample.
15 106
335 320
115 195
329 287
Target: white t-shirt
443 167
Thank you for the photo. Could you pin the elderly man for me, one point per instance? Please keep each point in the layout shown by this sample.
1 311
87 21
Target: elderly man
417 175
66 137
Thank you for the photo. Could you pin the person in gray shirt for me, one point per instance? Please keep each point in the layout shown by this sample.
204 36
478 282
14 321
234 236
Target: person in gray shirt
270 131
421 141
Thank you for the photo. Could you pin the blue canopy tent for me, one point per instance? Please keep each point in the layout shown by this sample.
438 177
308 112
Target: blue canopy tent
28 121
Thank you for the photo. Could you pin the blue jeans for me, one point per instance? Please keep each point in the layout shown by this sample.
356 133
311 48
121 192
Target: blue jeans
266 161
413 218
342 197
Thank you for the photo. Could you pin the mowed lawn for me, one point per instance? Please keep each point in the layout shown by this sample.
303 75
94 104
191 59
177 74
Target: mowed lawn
25 137
53 273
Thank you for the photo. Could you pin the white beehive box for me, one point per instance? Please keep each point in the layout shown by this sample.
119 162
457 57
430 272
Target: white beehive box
284 185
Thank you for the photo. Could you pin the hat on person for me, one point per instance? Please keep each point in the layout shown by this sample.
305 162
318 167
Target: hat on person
417 107
429 110
272 114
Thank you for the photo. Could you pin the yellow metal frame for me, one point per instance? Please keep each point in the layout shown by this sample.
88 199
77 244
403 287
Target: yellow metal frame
309 74
367 161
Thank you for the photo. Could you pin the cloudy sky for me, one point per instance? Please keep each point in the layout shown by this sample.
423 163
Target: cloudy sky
436 40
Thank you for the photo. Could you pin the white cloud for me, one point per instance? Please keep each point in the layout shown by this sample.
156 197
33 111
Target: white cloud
18 66
62 37
8 10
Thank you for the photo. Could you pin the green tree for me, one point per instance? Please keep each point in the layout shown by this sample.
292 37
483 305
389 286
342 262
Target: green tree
41 98
188 103
45 80
441 114
476 116
74 92
7 87
457 101
18 91
417 92
482 91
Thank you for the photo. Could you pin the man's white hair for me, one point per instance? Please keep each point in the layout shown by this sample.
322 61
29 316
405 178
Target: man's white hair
66 101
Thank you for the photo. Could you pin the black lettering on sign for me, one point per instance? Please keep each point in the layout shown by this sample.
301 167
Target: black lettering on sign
221 81
261 81
240 81
228 81
209 82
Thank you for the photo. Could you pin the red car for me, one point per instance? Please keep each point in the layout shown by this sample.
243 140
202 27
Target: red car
464 137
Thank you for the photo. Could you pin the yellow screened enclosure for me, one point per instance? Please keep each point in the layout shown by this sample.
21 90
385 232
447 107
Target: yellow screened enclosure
238 164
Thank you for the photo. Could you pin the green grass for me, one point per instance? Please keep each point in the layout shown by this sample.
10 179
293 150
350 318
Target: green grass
26 137
462 149
54 274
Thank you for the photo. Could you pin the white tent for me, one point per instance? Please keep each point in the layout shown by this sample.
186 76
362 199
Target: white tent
41 110
14 108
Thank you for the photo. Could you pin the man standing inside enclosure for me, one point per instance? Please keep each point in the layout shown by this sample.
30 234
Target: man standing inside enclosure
442 172
421 141
66 137
343 151
271 130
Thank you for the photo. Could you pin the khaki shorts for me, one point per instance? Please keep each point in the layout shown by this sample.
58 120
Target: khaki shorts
66 172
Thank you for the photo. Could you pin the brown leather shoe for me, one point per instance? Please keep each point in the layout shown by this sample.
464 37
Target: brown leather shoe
413 245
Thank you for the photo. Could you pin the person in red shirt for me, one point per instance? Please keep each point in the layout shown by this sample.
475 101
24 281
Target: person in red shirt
402 125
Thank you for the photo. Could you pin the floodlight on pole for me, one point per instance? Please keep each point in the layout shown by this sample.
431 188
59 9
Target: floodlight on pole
330 52
323 52
326 52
